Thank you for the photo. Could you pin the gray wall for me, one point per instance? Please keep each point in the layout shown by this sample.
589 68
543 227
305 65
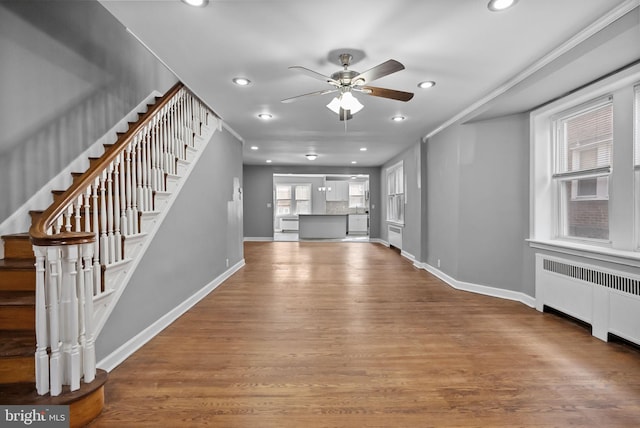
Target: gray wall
412 231
69 71
258 191
199 233
478 207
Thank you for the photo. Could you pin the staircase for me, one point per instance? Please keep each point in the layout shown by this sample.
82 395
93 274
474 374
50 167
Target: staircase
60 281
18 340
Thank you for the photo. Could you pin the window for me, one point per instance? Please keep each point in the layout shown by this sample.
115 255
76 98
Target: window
636 157
303 199
585 171
395 193
283 200
584 141
293 199
356 195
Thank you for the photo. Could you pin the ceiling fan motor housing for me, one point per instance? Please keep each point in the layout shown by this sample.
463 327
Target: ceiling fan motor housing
344 76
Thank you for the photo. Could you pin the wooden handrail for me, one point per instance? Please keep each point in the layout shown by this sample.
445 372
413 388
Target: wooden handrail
38 230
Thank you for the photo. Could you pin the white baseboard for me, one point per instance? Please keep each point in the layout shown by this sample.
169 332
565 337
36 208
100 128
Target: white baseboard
379 241
479 289
258 239
114 359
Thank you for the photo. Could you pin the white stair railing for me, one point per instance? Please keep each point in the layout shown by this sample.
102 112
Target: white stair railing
78 237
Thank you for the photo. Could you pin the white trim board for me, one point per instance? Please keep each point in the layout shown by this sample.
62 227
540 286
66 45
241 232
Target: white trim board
114 359
479 289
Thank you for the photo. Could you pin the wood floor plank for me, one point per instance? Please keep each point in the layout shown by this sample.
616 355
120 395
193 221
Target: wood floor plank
316 334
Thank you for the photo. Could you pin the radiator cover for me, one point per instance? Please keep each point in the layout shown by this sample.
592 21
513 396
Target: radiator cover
609 300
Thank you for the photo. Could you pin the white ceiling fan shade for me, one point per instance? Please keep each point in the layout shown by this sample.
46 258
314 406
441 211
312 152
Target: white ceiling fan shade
349 102
346 101
334 105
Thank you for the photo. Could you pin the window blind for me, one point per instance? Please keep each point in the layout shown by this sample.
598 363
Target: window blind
585 141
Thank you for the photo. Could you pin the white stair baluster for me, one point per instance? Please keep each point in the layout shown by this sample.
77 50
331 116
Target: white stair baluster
104 241
111 244
129 186
89 352
54 277
78 214
117 237
69 312
95 228
42 336
123 197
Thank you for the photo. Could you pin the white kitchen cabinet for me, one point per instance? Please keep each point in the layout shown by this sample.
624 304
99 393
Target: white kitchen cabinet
358 224
337 191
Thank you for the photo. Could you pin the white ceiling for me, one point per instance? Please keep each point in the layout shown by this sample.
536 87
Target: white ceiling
469 51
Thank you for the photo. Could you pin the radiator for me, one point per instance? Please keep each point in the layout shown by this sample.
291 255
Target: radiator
609 300
289 224
394 234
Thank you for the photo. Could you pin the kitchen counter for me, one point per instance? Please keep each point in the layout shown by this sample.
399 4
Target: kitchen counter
322 226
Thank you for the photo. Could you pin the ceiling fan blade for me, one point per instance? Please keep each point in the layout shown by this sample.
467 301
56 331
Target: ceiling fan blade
387 93
345 114
310 94
380 70
315 75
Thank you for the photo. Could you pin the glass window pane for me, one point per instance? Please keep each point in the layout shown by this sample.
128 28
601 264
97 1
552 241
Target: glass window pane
586 139
283 192
303 192
585 217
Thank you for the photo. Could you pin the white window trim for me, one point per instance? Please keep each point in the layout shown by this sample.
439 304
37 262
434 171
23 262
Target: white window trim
543 195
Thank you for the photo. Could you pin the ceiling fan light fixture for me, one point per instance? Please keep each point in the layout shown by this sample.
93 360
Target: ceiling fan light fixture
500 5
334 105
346 101
196 3
265 116
351 103
398 118
312 156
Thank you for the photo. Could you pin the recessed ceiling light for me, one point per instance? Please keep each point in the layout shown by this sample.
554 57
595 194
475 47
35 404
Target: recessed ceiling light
268 161
426 84
265 116
241 81
197 3
254 147
354 161
312 156
499 5
398 118
363 149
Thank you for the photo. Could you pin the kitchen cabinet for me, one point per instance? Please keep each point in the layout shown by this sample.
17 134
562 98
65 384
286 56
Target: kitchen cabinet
337 191
358 224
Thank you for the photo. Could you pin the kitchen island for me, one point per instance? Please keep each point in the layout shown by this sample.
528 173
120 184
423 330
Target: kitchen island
322 226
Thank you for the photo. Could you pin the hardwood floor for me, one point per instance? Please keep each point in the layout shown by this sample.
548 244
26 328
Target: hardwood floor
316 334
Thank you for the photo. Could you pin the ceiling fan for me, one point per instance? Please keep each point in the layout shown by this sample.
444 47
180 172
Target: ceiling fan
346 81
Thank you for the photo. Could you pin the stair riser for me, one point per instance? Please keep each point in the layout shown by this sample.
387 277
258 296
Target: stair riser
17 280
18 249
17 317
18 369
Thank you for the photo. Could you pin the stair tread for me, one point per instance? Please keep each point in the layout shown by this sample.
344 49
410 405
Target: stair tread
17 298
25 393
17 343
17 264
21 235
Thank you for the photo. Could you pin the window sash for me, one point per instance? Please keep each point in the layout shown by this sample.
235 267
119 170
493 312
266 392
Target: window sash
584 138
